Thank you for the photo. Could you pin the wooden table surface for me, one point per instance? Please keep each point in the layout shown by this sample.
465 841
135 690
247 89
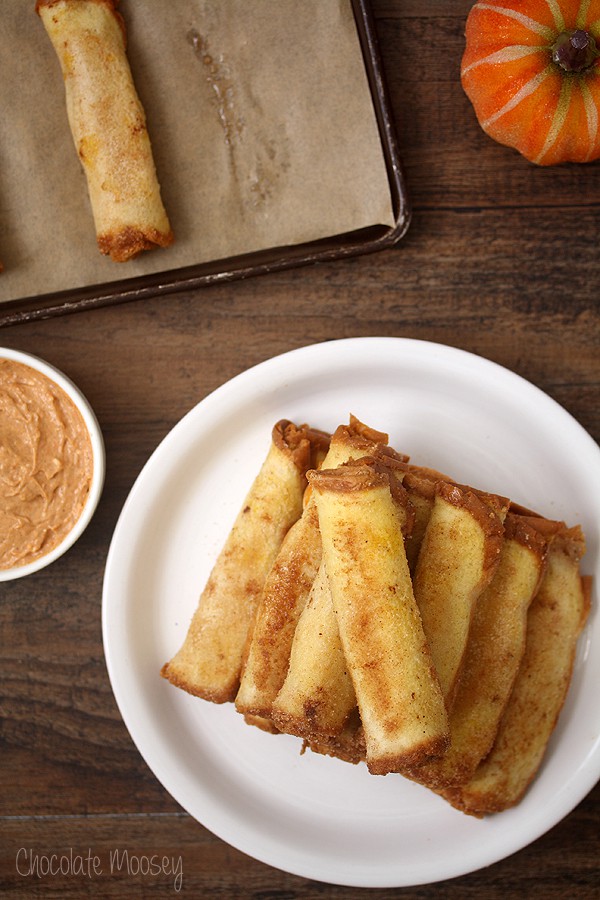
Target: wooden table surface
501 259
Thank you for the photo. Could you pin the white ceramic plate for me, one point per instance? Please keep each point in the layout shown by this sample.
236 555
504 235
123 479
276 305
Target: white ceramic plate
311 815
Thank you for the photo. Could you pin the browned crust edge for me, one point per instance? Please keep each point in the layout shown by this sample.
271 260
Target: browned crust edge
351 751
110 4
418 756
349 478
487 515
129 242
261 722
224 696
357 429
524 530
300 442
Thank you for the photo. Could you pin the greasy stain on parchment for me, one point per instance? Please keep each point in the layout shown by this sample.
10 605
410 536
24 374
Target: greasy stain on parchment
257 158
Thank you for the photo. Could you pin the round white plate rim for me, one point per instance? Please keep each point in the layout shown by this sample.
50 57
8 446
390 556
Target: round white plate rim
333 355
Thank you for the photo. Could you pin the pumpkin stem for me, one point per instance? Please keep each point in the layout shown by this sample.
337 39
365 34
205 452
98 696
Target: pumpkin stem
575 51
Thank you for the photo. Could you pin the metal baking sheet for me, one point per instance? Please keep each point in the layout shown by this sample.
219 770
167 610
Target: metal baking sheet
272 259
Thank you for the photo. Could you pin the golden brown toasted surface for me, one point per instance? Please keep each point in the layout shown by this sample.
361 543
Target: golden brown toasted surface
494 652
348 745
317 694
554 622
380 466
457 559
399 697
452 672
209 663
284 597
111 4
108 125
262 722
488 510
130 241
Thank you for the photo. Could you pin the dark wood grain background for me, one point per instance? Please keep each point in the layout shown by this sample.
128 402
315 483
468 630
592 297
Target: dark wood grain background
501 259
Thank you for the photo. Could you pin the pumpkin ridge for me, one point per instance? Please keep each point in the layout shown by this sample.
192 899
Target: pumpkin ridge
582 13
529 88
506 54
560 114
591 112
536 27
556 14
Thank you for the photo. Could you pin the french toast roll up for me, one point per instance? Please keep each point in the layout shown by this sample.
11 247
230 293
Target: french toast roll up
494 652
288 586
108 125
317 695
284 597
458 556
210 661
398 694
555 619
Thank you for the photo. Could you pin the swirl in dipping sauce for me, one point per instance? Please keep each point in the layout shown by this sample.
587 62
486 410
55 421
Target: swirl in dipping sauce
46 464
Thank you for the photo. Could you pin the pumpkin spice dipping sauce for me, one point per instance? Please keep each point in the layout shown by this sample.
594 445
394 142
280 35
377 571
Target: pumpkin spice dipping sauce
46 464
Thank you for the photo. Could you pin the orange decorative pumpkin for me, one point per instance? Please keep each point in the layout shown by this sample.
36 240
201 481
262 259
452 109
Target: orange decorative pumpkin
531 69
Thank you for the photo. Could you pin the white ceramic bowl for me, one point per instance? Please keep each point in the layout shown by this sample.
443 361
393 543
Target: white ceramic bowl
98 453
